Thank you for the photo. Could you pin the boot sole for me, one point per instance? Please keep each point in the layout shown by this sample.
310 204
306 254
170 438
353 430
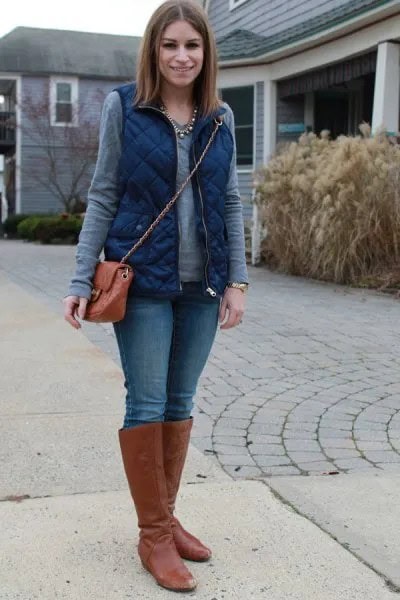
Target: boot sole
197 560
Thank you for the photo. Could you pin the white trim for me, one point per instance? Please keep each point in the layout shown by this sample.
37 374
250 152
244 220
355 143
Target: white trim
348 27
18 147
255 234
18 136
270 104
254 126
235 4
387 89
239 170
74 82
242 76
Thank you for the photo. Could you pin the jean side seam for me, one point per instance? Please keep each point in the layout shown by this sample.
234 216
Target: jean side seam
125 368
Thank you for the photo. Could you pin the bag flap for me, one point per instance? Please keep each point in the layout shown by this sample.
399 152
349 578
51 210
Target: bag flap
105 274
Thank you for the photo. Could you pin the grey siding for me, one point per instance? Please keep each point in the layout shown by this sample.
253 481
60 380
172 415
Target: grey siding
35 197
246 189
259 121
266 17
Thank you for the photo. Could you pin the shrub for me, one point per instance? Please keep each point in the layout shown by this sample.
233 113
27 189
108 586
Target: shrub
50 229
10 225
332 208
58 229
26 229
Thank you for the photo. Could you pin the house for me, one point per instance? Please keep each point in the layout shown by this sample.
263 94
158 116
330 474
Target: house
51 81
287 67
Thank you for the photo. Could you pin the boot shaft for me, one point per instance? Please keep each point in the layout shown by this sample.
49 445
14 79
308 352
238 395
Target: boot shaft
142 455
176 437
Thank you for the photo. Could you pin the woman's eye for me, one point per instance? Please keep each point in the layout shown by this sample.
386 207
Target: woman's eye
172 45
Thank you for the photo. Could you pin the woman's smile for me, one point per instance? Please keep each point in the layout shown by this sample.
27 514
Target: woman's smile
182 69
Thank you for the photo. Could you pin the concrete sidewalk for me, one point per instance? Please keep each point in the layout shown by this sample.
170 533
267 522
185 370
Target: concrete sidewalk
74 536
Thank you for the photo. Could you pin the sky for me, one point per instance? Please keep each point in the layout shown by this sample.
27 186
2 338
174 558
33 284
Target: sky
123 17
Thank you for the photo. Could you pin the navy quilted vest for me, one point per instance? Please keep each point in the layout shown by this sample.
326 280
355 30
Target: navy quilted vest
147 181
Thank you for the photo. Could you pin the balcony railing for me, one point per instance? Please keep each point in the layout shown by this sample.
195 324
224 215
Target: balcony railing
7 128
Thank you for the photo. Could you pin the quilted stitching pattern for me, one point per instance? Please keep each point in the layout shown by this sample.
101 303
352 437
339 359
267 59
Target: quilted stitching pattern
147 182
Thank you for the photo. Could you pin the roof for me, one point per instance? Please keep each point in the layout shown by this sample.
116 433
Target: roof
31 50
48 51
242 44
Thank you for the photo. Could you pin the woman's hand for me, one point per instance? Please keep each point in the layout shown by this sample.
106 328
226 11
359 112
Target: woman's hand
74 306
232 308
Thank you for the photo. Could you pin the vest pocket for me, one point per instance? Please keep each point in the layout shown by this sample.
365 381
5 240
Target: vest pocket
127 234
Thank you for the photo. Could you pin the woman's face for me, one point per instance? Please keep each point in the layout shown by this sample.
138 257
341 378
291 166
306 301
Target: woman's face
181 54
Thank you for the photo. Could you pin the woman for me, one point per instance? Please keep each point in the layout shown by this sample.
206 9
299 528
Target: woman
188 274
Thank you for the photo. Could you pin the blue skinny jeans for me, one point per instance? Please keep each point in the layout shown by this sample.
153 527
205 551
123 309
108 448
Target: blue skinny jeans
164 345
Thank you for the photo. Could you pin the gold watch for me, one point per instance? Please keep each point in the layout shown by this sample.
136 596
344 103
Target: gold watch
239 285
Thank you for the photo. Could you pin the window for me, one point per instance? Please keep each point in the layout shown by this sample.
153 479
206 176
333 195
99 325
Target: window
234 3
241 101
64 101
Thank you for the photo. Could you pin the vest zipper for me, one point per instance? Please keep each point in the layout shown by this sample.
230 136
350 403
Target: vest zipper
176 212
209 289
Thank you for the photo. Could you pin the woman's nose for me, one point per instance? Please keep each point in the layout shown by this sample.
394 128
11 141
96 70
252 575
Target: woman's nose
182 53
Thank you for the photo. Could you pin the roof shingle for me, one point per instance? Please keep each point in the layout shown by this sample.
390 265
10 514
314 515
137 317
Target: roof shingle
45 51
242 44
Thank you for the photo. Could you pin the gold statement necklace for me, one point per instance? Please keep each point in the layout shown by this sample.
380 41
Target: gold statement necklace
181 131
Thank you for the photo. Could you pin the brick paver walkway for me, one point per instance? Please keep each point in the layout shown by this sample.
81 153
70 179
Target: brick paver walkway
308 384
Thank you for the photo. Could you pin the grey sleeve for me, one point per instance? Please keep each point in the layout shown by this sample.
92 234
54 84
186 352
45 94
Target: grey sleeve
234 215
102 202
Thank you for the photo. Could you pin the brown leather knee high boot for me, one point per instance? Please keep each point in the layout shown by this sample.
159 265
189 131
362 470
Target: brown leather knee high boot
142 454
176 436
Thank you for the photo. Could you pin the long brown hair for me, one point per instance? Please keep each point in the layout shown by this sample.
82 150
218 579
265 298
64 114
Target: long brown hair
148 77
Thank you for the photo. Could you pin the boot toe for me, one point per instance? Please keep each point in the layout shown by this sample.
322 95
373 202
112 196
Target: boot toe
189 546
180 584
166 566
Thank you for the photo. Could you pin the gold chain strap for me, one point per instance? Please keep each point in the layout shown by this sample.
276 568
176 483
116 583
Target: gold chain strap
170 204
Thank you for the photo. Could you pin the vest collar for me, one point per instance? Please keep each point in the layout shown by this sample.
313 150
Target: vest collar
201 121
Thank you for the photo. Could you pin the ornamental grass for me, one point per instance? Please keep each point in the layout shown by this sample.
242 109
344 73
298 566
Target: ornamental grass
331 208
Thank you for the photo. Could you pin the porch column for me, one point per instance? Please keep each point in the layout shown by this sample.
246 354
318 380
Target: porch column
387 88
270 102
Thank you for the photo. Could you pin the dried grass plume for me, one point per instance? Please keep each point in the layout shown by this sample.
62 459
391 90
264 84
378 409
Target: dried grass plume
332 208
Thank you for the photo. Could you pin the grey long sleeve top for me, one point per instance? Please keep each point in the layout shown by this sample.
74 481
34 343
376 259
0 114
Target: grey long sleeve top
103 205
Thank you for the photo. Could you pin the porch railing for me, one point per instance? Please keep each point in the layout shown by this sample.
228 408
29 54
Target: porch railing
7 128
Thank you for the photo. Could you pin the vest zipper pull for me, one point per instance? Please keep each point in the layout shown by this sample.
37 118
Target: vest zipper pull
211 292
